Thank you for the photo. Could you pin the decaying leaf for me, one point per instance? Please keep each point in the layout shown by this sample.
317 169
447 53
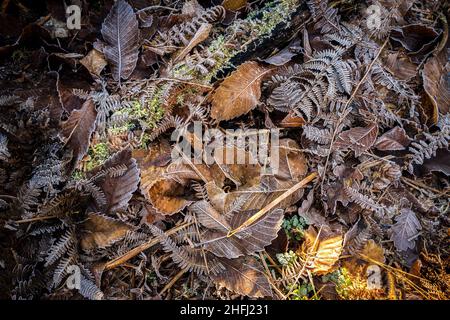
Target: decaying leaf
321 251
400 66
77 130
359 139
234 4
244 276
201 35
436 83
373 252
247 241
102 231
120 31
405 230
239 93
394 139
168 196
94 61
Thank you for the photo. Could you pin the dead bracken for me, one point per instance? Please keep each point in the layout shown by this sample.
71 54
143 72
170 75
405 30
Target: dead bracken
106 188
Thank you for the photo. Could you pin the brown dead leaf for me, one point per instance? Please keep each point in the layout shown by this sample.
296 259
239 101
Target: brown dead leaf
120 184
94 62
292 162
359 139
435 82
168 196
321 251
234 4
394 139
101 231
77 130
239 93
400 66
244 276
201 35
292 121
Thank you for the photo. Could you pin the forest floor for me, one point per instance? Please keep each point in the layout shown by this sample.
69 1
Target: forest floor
224 149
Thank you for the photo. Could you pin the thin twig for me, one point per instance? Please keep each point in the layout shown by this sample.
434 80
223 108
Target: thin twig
172 282
135 251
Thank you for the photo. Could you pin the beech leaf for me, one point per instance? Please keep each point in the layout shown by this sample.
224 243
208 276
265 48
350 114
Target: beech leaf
405 230
239 93
101 231
118 187
436 83
247 241
359 139
392 140
321 251
120 31
77 130
244 276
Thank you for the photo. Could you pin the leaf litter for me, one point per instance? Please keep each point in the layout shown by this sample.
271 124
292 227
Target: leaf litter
93 121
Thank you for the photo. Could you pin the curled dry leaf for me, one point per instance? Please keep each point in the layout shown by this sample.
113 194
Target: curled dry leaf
436 83
101 231
292 121
244 276
201 35
359 139
239 93
321 251
394 139
418 39
94 62
120 31
77 130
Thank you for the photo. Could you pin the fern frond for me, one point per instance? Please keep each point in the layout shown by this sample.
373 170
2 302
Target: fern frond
322 136
63 245
186 257
362 200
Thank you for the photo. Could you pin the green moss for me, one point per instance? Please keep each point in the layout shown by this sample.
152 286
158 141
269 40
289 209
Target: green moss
98 154
147 116
223 48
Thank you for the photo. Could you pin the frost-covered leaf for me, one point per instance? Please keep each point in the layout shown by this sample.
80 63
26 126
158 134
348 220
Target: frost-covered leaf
247 241
321 251
436 81
359 139
120 31
77 130
405 230
244 276
119 184
394 139
101 231
239 93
